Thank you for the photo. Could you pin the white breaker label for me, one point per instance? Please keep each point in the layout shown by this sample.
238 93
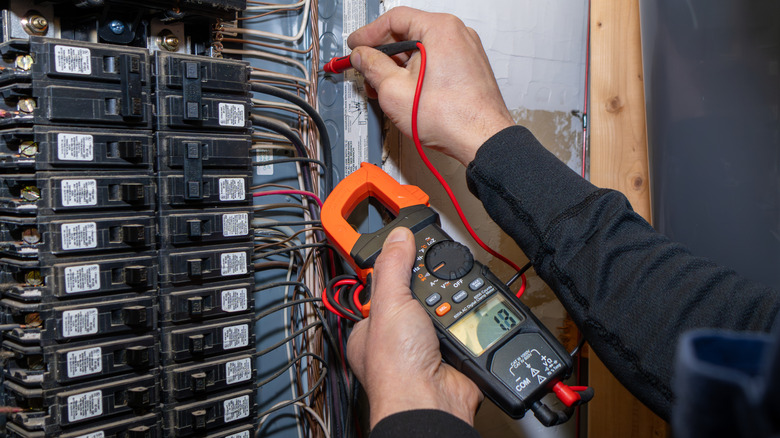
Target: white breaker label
75 60
234 300
236 408
232 189
236 336
78 192
233 263
355 102
82 278
238 371
244 434
262 156
235 224
231 114
82 235
84 362
98 434
75 147
79 322
86 405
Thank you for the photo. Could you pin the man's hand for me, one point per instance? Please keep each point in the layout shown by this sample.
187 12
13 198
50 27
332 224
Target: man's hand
461 106
395 353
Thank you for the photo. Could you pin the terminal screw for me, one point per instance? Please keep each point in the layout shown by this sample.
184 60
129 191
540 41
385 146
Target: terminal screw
31 236
31 193
24 62
168 41
35 24
33 278
26 105
117 26
28 148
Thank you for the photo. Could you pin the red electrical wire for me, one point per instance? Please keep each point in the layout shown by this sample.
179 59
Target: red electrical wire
421 152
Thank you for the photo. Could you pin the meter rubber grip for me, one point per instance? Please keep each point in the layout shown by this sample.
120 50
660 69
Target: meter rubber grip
369 181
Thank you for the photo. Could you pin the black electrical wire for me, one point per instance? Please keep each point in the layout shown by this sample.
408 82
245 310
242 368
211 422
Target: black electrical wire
295 360
311 391
289 338
275 309
316 118
293 248
578 347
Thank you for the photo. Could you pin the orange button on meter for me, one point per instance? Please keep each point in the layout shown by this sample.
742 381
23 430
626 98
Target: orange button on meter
443 309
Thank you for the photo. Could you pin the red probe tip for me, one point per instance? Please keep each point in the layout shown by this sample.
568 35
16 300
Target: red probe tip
338 65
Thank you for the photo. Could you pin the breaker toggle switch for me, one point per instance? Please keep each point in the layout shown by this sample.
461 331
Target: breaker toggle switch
195 306
198 382
133 192
134 315
139 397
136 275
138 357
133 234
197 344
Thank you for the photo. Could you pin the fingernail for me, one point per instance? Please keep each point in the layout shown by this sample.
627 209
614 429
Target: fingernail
397 235
354 58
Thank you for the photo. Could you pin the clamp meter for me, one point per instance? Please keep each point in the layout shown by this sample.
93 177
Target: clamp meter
484 330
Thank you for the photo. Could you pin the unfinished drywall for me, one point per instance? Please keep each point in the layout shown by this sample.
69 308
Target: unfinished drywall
537 51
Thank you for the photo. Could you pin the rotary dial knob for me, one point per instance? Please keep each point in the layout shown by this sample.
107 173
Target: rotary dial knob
449 260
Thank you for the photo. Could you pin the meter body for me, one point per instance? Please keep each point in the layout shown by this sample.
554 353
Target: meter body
484 330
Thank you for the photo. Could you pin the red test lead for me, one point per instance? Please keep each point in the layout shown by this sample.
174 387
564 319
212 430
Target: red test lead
342 63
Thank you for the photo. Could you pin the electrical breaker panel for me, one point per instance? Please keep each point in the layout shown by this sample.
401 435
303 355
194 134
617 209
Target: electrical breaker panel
125 222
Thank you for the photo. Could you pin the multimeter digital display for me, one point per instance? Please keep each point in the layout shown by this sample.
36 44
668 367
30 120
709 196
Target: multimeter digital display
484 330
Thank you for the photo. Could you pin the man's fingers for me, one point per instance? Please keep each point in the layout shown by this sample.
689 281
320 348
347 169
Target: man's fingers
397 24
392 271
374 65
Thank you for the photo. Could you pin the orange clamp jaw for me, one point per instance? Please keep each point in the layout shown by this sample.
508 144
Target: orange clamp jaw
367 182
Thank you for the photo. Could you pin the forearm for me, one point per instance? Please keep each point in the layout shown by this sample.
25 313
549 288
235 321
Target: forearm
630 290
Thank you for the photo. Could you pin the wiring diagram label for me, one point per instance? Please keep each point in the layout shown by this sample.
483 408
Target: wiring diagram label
79 322
238 371
78 192
82 278
234 300
75 60
82 235
236 408
232 189
261 156
84 362
86 405
355 102
233 263
231 114
244 434
75 147
235 336
235 224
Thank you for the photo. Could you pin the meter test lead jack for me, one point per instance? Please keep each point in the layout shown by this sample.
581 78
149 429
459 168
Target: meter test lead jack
484 330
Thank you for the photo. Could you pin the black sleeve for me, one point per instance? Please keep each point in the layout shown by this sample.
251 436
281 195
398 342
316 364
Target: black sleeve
631 290
423 423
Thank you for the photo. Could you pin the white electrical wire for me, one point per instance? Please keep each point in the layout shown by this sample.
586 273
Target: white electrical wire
272 56
276 36
311 411
274 75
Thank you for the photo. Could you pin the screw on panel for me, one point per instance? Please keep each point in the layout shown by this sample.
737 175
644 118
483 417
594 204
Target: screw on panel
24 62
31 236
117 26
33 278
26 105
166 40
31 193
28 148
35 24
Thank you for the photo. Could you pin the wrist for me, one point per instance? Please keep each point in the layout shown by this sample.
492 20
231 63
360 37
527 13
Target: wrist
393 400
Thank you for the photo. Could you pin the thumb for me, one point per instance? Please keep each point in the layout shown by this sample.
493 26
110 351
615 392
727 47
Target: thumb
374 65
392 271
